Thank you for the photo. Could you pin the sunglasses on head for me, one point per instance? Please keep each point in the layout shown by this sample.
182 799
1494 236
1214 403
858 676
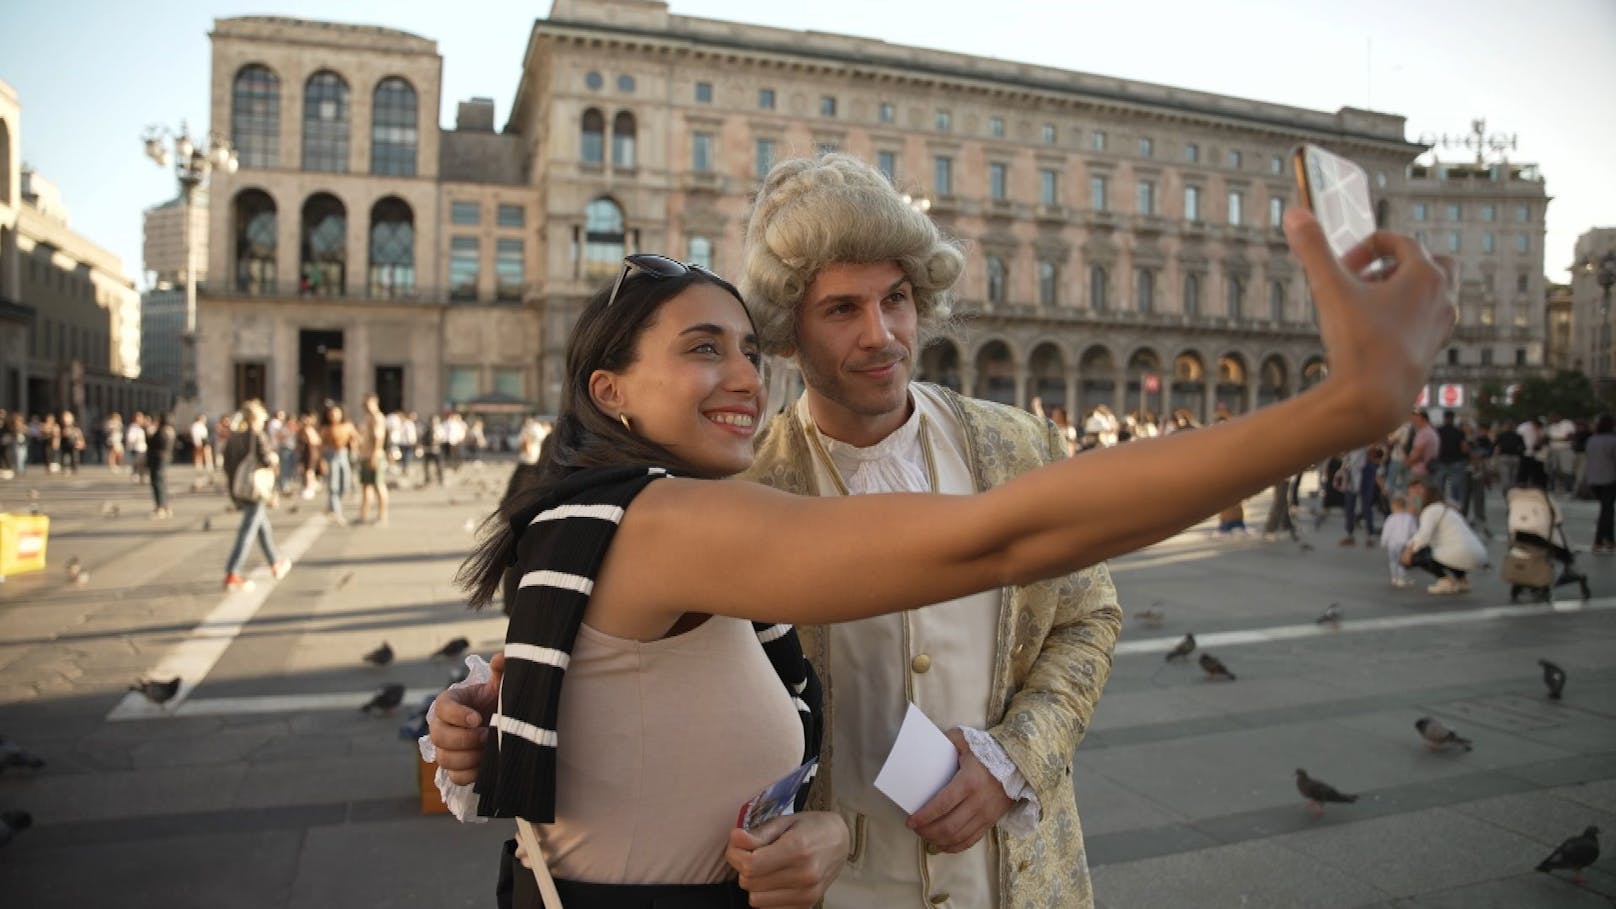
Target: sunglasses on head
657 267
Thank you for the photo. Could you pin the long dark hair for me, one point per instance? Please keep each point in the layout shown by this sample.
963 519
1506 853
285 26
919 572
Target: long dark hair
583 437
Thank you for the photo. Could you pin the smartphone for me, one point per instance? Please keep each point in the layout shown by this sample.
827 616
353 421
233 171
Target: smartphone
1336 191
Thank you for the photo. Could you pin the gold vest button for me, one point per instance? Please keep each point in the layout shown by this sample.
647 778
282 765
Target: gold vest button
920 663
939 899
1024 866
933 849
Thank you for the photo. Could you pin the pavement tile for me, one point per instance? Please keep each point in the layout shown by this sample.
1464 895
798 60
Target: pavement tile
1257 875
121 794
1420 852
341 779
1107 806
1538 891
1547 816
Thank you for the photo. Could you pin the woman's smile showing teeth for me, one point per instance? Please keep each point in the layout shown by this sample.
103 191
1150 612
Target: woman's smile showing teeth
732 419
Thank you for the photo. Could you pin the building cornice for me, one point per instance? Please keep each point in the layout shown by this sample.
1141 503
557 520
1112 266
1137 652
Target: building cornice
1000 80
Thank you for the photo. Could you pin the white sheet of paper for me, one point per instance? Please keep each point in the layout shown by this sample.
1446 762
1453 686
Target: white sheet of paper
921 763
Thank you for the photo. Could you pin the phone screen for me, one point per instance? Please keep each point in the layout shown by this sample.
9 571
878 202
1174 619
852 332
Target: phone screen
1337 192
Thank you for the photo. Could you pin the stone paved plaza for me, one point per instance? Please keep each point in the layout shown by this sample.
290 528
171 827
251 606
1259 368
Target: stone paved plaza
267 787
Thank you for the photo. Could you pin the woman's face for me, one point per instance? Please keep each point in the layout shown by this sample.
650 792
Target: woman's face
695 387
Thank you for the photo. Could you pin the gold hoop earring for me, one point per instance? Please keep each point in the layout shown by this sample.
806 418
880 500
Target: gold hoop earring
623 418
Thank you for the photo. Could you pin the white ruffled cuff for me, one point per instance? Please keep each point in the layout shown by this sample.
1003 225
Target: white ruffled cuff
1022 818
461 799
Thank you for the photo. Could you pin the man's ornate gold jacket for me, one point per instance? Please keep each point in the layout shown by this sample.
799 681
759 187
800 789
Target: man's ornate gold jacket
1053 653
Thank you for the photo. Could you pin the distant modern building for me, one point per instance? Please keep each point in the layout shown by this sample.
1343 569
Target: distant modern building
69 315
1593 282
162 307
1123 238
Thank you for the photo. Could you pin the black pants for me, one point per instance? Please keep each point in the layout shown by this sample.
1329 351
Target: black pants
1605 525
518 890
1423 559
159 485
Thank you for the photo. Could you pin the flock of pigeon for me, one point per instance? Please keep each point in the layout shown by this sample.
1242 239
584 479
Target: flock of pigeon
389 696
1573 855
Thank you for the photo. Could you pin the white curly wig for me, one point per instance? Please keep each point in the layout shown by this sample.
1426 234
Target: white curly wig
812 212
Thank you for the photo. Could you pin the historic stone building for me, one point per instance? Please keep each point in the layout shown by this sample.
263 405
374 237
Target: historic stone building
1489 216
69 316
1593 281
1123 238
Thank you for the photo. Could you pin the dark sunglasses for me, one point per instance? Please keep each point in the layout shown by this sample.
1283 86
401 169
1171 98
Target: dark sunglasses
657 267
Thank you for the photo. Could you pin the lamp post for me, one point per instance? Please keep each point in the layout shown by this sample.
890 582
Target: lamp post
192 164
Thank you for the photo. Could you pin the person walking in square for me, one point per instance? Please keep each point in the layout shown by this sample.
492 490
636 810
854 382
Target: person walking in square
249 449
1599 467
159 456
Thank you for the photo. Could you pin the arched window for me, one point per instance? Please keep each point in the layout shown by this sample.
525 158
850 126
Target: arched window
392 249
998 277
1146 289
701 252
393 128
1048 283
1192 294
603 238
325 123
255 117
1097 282
1236 304
255 242
592 143
623 140
324 247
1276 301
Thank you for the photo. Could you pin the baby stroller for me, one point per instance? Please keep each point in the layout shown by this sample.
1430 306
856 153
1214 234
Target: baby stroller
1534 527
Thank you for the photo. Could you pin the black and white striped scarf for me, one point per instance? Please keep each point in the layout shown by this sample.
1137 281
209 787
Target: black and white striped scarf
562 542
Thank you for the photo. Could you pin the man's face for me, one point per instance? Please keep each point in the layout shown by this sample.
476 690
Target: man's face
856 344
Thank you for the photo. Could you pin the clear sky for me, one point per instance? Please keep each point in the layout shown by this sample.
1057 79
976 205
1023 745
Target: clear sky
92 74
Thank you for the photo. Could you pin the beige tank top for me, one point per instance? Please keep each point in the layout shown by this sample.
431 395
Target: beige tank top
659 744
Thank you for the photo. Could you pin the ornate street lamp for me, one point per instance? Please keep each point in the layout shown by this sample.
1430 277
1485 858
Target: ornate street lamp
192 164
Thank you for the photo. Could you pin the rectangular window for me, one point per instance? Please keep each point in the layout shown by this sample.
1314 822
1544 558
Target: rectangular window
887 112
1276 165
1236 302
945 121
1453 213
1523 213
1487 354
1236 202
1192 153
1098 140
1421 211
1048 282
508 271
765 157
1453 241
1048 187
1522 281
462 383
1147 147
887 163
996 127
827 106
1192 203
1523 243
1488 242
463 256
1236 159
508 382
511 215
942 175
1145 289
701 152
1049 134
1489 213
1097 288
825 148
998 181
465 213
766 99
1147 197
704 93
1097 187
1276 211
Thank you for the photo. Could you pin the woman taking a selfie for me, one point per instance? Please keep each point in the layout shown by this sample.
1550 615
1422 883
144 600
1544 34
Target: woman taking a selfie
631 574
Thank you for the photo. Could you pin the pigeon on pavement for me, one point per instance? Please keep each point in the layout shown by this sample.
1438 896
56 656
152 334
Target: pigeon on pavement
1554 677
1574 854
1184 648
13 823
1438 736
157 692
207 524
1214 668
1153 616
12 755
452 650
1317 792
1331 615
386 699
345 579
74 566
381 656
